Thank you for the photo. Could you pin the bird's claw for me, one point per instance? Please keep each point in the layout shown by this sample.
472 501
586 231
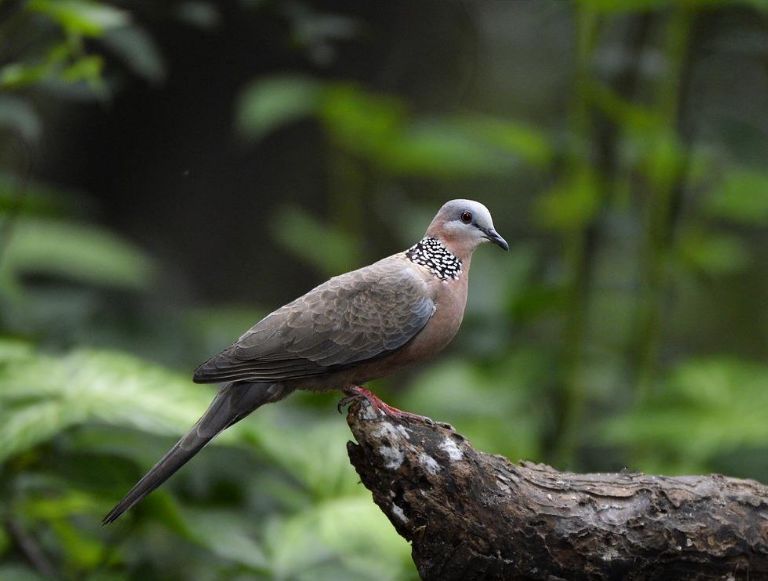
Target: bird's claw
354 392
345 401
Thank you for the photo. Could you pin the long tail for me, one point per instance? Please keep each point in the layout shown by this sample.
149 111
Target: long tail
233 402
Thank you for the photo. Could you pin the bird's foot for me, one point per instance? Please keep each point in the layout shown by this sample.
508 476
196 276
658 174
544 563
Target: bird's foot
354 392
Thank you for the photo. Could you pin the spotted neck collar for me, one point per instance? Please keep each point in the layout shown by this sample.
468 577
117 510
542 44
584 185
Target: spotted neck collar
440 261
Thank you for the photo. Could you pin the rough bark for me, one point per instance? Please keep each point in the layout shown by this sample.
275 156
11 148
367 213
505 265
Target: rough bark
471 515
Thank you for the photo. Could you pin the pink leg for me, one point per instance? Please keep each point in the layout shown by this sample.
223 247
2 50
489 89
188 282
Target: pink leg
356 391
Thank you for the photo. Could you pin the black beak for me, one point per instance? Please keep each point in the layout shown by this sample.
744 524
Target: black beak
494 237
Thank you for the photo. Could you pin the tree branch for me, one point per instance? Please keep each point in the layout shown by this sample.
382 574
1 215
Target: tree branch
471 515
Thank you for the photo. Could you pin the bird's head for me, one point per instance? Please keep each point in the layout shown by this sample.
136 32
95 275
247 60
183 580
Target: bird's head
462 225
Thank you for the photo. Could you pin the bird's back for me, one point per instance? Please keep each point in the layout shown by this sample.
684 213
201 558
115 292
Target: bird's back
356 317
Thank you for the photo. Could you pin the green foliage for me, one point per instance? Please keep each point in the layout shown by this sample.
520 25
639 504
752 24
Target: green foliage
328 517
713 254
382 132
707 408
742 198
571 204
268 104
43 396
325 247
65 60
81 17
77 252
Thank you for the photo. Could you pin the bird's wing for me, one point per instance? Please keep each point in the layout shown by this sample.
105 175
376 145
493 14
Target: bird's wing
352 318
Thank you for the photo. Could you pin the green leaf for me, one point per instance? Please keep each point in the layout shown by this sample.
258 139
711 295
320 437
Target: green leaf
17 75
271 103
608 6
318 460
81 16
571 204
87 68
713 253
708 406
75 251
19 573
441 148
19 116
227 536
137 50
482 401
329 249
343 538
741 198
42 396
511 137
360 122
38 198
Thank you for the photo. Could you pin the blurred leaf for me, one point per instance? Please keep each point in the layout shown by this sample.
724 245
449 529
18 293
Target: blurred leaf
621 5
571 204
81 16
327 248
530 144
214 328
63 67
82 551
226 536
742 198
41 396
19 573
137 50
38 198
87 68
14 349
344 538
480 402
441 148
608 6
638 119
18 115
15 75
204 15
379 129
360 122
707 406
270 103
76 252
713 253
318 459
663 159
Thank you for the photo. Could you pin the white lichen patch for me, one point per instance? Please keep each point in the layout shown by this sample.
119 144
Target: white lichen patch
403 432
449 447
398 512
370 413
387 429
393 457
429 463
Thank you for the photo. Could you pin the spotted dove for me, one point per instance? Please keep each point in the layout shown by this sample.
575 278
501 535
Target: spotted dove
358 326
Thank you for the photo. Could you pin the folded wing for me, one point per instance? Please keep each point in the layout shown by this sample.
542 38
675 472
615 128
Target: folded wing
352 318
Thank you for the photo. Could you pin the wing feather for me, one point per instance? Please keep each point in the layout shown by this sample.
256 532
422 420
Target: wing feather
352 318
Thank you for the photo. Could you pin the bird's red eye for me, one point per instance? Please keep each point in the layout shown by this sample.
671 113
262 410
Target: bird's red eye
466 217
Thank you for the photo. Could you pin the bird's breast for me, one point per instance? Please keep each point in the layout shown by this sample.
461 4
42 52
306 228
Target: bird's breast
450 300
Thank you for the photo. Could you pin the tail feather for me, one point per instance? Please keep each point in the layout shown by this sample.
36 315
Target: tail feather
233 402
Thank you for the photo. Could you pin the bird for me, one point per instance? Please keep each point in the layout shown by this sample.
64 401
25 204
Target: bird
358 326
